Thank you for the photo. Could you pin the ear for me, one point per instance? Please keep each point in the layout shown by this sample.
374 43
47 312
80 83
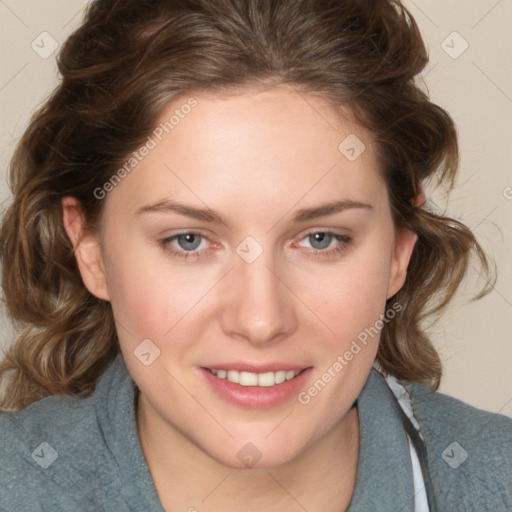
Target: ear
420 199
86 246
405 240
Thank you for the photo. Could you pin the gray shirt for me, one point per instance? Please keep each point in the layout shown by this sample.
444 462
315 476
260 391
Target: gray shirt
84 454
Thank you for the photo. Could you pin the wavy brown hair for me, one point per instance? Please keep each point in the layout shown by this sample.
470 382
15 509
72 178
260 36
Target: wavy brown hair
123 65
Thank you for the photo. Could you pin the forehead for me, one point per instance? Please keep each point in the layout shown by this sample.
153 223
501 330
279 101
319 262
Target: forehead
253 148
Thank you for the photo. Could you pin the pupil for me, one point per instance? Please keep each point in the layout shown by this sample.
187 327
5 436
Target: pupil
320 240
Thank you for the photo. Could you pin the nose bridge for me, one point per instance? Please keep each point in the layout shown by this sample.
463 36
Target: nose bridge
259 308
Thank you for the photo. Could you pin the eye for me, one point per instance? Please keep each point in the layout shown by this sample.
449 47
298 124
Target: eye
325 243
186 245
188 241
320 240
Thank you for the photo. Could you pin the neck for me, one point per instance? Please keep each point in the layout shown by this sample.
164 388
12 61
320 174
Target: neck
186 478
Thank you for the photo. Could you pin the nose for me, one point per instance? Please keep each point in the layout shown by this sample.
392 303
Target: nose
259 307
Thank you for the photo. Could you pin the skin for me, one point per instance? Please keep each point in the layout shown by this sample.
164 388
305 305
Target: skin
256 159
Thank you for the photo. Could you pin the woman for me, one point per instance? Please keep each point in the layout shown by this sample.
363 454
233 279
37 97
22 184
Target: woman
221 255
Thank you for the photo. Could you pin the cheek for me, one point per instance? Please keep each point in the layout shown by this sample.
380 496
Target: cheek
350 296
150 294
137 294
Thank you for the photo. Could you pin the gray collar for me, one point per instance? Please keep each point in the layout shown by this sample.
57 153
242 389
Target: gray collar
384 479
119 427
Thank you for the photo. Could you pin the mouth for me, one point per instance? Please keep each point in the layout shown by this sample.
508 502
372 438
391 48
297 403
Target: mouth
269 387
264 380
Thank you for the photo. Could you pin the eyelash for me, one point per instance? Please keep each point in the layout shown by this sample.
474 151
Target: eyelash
165 243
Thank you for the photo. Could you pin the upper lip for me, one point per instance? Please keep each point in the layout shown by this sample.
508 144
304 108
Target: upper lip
256 368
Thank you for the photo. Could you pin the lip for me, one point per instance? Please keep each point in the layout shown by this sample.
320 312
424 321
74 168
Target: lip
256 397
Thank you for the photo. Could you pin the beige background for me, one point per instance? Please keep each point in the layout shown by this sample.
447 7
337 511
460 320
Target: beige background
475 86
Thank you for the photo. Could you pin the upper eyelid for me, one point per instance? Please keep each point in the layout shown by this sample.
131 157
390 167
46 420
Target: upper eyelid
302 234
329 231
184 232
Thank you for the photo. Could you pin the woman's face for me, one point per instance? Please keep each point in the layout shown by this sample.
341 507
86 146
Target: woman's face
256 237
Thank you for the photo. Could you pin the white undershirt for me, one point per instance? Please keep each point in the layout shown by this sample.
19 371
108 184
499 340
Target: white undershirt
420 495
403 398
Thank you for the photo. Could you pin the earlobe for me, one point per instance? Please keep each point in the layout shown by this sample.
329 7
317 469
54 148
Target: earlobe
86 246
404 245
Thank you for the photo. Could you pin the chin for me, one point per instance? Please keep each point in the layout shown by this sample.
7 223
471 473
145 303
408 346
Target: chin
240 453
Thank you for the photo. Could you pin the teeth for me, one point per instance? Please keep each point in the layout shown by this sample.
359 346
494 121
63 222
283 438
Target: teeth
233 376
266 379
280 376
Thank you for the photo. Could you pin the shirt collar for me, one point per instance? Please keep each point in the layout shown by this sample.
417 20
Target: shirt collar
119 426
384 479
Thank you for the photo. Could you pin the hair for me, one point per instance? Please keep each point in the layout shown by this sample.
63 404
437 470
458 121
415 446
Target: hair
123 65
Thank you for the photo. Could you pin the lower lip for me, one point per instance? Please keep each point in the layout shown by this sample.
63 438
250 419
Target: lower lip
256 397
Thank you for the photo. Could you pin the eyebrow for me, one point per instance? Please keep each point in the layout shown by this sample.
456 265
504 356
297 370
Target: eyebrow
205 214
329 209
208 215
